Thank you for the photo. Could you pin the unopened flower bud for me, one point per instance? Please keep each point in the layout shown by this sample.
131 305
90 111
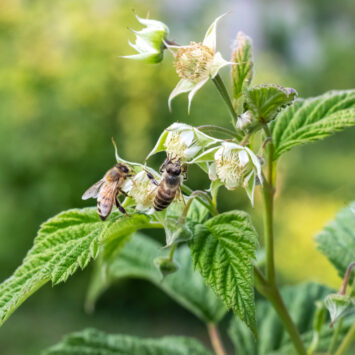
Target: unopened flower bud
245 121
165 265
149 41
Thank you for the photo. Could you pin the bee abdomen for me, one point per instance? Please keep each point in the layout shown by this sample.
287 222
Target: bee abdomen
104 207
163 199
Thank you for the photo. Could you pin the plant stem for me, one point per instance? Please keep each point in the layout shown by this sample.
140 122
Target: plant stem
333 342
349 338
268 286
225 96
216 340
268 197
346 278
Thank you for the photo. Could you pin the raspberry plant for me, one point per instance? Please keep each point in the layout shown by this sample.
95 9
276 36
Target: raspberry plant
210 265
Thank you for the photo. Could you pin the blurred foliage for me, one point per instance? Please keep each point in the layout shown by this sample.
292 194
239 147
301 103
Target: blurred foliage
64 94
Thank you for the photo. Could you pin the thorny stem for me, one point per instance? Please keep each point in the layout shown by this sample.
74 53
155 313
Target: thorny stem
268 197
224 93
268 286
211 127
349 338
346 278
215 339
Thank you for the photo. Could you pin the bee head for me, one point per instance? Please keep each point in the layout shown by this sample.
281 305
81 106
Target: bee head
123 168
173 168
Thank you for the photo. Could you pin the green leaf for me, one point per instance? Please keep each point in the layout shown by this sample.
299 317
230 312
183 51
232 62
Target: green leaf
339 306
266 101
312 119
63 244
185 286
337 240
223 249
301 301
95 342
242 73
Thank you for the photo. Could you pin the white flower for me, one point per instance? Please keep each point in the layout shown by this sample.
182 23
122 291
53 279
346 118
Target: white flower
196 63
182 141
234 166
149 41
142 190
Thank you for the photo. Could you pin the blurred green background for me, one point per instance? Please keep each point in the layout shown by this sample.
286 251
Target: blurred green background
64 93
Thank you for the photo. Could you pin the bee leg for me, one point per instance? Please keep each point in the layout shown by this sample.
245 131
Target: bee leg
162 167
184 171
123 192
120 207
181 196
152 179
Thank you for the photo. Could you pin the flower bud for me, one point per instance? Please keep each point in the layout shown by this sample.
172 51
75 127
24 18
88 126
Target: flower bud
165 265
149 41
245 121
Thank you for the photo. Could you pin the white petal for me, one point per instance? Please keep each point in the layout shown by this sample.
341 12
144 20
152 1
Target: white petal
228 146
210 36
127 186
192 151
243 157
187 137
182 86
212 173
217 64
194 90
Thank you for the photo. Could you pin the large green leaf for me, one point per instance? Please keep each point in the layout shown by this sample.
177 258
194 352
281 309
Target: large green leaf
265 101
63 244
223 249
337 240
95 342
273 339
186 286
312 119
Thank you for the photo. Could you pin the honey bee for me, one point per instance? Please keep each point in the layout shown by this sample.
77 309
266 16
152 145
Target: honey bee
173 174
108 189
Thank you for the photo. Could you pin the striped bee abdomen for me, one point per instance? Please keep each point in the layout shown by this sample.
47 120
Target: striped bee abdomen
163 198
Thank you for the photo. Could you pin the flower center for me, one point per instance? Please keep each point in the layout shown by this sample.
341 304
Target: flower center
230 170
143 190
175 146
193 62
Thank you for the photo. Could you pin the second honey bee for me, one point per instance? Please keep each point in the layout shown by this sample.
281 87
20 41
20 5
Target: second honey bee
108 189
173 174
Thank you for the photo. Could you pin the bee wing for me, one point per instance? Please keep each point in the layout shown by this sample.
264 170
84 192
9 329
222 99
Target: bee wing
93 191
106 199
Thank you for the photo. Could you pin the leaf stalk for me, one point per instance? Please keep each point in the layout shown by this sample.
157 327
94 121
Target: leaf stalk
216 340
